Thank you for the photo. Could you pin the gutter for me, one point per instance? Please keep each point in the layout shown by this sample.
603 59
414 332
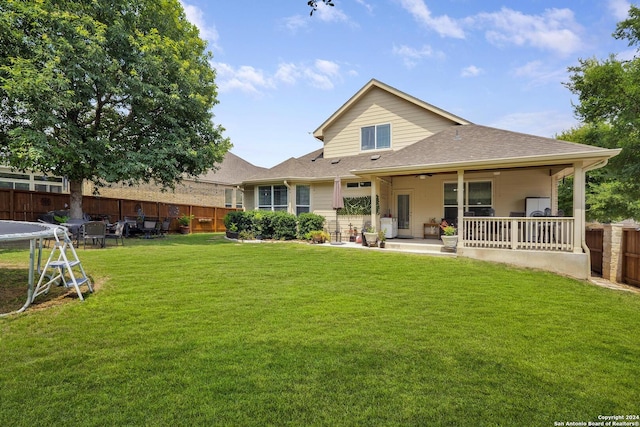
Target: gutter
495 163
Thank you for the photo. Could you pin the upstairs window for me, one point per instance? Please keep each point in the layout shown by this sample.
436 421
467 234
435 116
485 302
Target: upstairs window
375 137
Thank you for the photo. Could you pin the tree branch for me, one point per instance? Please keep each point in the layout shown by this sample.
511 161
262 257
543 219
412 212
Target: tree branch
313 4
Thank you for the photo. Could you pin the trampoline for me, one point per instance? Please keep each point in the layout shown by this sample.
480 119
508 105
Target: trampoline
36 233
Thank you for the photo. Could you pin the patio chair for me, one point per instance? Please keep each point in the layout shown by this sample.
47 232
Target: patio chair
118 232
149 227
95 231
164 229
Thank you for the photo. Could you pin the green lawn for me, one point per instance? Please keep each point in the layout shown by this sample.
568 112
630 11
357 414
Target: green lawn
194 330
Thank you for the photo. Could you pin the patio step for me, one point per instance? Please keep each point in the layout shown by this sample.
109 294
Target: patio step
431 247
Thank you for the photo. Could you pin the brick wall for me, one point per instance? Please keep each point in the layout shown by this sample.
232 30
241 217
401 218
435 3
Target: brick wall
190 193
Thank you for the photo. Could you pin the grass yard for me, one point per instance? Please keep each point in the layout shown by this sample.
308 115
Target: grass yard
195 330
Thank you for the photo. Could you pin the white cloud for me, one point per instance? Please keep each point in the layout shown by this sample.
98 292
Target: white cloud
327 67
196 17
288 73
323 74
540 75
626 55
330 13
412 56
619 9
471 71
293 23
443 25
542 123
245 79
555 29
365 5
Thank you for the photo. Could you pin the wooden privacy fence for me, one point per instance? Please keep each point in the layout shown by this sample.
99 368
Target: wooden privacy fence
595 242
22 205
631 256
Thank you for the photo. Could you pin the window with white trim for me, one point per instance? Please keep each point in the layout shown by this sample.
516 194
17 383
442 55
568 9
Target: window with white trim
228 197
21 181
375 137
303 199
478 198
239 198
272 198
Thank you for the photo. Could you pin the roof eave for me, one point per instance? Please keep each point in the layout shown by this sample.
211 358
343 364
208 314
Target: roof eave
588 158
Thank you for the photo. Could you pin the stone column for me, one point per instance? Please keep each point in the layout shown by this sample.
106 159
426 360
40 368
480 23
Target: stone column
612 253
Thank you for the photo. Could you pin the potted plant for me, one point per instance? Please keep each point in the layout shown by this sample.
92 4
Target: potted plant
232 232
370 237
185 221
318 236
381 239
450 237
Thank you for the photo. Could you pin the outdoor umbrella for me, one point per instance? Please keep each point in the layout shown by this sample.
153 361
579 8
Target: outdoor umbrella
338 203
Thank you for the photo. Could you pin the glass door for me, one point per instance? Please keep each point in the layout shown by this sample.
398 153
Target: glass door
403 207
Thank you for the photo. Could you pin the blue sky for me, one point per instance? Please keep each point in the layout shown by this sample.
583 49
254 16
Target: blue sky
281 72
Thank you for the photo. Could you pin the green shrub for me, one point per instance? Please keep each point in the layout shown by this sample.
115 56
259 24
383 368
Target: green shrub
239 218
284 226
264 224
309 222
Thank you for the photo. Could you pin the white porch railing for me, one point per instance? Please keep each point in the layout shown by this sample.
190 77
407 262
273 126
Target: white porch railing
534 233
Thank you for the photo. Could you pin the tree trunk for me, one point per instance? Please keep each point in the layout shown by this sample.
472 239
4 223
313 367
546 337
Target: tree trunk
75 206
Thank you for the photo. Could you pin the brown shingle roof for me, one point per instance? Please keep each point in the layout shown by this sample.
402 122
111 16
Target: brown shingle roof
232 171
459 144
476 143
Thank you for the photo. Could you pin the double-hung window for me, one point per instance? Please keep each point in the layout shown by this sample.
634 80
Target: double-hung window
272 197
303 199
375 137
228 197
239 198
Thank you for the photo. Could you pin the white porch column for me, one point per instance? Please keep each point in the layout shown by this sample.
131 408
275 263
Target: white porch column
460 208
291 198
374 191
578 207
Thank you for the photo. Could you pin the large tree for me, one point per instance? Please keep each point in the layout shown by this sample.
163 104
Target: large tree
609 107
106 91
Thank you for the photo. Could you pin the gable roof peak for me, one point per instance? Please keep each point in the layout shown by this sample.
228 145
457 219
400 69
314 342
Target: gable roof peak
372 84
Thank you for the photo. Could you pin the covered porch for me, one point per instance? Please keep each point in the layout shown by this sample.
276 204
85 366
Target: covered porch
487 207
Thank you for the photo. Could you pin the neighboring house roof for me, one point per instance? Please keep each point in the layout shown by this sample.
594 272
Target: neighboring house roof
232 171
373 83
